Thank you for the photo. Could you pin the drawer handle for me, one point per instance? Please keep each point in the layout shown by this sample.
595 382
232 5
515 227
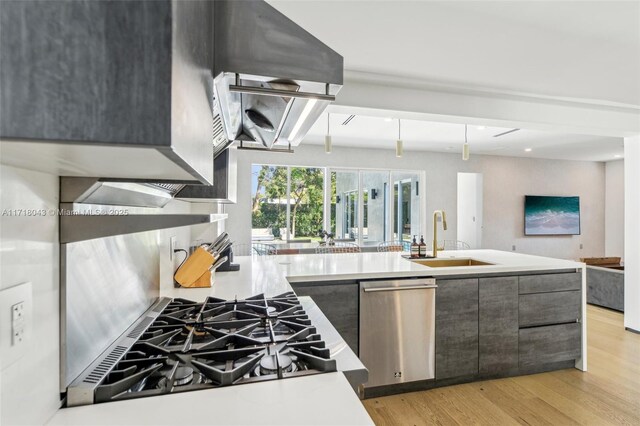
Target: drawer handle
414 287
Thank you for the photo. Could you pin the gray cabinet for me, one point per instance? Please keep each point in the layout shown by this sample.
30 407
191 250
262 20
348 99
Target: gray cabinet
550 282
69 68
339 303
93 74
550 308
605 287
456 328
550 344
498 326
549 314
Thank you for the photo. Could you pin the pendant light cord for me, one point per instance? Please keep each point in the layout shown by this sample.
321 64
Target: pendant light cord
328 118
465 133
399 129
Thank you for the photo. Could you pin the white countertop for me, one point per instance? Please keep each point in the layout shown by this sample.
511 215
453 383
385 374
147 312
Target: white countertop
271 275
322 399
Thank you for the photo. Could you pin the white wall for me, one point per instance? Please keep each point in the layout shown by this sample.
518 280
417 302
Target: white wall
470 192
30 252
614 209
29 387
632 233
506 181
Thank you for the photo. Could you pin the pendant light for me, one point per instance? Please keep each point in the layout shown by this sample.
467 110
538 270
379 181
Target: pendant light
465 147
327 138
399 147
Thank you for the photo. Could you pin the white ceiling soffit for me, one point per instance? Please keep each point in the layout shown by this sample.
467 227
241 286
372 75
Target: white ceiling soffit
587 50
367 129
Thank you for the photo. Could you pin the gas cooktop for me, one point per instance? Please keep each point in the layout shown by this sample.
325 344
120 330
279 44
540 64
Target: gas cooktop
181 345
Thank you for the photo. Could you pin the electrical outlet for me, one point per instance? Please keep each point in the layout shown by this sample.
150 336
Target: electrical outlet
17 312
172 246
580 246
15 322
513 248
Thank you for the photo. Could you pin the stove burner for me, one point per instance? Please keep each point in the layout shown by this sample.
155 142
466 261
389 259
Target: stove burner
218 343
184 376
269 364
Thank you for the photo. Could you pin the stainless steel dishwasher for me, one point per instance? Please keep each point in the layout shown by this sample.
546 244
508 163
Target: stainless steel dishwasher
397 330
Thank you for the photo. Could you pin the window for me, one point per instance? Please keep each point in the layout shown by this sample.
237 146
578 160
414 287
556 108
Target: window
268 202
375 213
406 197
364 206
344 204
287 202
306 197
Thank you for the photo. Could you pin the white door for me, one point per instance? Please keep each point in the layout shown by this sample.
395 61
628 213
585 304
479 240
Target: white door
470 209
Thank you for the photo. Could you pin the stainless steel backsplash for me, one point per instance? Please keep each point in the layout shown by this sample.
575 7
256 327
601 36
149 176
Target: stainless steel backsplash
106 285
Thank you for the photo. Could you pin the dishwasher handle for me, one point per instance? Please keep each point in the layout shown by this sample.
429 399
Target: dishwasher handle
413 287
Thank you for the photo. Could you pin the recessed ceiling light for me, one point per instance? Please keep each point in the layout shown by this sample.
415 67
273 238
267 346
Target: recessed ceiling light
387 119
482 127
617 156
528 150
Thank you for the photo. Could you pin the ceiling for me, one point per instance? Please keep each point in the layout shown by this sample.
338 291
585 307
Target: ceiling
375 132
580 50
588 51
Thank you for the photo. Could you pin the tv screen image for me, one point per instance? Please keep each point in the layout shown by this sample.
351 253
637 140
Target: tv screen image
551 215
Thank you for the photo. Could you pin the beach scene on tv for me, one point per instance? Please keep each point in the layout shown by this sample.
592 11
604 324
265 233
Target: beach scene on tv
551 215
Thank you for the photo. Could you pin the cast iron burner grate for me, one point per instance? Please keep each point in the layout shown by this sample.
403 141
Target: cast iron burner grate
193 346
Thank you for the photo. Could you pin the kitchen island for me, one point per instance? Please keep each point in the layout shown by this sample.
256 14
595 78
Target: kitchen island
463 352
538 284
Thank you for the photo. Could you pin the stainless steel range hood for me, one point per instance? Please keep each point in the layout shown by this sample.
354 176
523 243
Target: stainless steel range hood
272 81
117 192
83 215
273 78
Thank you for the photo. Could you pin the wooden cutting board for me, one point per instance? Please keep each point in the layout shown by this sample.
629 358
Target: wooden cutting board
194 267
600 260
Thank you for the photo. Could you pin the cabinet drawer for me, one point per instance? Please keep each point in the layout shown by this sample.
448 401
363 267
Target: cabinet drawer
550 282
545 345
549 308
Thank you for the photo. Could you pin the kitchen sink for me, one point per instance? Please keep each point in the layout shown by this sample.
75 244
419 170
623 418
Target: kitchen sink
445 263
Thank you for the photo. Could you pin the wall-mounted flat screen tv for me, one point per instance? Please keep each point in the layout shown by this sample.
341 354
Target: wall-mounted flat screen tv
551 215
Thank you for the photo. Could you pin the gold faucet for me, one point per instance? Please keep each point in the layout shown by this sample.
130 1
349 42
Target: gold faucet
435 230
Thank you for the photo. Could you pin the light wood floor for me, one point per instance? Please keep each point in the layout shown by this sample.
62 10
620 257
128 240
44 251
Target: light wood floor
608 394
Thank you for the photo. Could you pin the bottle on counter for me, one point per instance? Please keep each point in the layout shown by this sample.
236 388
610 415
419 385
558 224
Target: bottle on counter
415 249
422 247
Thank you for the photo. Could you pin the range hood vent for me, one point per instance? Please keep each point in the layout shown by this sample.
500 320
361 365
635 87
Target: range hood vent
272 78
84 218
220 140
117 192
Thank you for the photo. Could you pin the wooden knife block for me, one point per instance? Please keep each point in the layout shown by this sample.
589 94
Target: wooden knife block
203 281
195 269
